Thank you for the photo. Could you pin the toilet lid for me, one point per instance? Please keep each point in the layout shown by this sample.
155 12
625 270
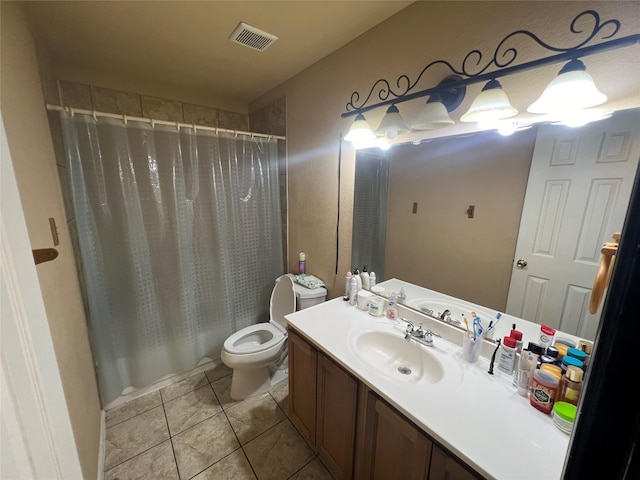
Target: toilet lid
283 301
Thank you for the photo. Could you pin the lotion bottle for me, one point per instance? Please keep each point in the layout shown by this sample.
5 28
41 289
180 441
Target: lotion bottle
372 279
356 275
507 355
364 276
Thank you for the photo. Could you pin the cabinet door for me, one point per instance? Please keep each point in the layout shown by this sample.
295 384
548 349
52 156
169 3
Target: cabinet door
336 417
302 386
393 446
446 467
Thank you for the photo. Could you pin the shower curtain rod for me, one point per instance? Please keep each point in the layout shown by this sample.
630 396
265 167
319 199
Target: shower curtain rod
154 122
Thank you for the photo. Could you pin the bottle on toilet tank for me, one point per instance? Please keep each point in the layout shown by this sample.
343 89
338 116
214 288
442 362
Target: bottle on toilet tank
302 263
364 276
353 292
347 286
356 275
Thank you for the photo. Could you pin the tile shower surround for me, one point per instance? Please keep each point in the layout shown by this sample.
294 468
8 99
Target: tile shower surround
193 430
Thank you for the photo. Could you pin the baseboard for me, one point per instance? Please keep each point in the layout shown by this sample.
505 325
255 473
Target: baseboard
101 446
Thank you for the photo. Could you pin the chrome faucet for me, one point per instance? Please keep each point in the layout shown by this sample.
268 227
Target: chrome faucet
420 335
444 314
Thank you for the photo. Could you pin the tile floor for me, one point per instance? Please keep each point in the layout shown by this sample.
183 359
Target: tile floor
193 430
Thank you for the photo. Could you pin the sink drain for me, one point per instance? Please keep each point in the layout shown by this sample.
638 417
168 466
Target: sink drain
404 370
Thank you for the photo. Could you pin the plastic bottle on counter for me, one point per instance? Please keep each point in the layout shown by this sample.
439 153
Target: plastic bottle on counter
353 292
544 390
526 366
507 355
546 336
347 287
517 334
364 277
571 385
302 263
392 309
538 350
372 279
576 353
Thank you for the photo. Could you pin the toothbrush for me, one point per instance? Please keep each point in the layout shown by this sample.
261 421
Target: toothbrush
466 324
492 325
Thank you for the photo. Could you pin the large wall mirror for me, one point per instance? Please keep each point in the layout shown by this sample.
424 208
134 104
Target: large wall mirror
512 223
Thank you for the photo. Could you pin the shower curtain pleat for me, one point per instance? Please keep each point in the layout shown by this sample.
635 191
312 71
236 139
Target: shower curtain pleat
180 242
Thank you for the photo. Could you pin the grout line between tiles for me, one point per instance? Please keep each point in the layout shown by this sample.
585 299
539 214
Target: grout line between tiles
175 459
255 474
134 416
137 455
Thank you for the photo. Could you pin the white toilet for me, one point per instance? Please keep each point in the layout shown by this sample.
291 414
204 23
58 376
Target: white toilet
258 353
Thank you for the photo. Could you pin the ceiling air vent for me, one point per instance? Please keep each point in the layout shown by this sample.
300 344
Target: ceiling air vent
252 37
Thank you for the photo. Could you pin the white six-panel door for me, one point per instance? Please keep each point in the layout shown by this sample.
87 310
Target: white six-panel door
577 196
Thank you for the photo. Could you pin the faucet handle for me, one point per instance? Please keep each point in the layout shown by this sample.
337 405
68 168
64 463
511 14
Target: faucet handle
409 331
431 332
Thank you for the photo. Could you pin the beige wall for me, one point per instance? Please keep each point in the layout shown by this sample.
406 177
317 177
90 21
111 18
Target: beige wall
29 141
439 247
423 32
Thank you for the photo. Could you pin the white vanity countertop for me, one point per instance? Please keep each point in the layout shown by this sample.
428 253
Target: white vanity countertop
479 417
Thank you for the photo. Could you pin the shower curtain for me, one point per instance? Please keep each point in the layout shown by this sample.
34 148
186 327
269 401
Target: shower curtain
180 242
371 192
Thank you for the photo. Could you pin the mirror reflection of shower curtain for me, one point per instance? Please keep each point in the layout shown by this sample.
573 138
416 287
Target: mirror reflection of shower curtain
180 242
371 188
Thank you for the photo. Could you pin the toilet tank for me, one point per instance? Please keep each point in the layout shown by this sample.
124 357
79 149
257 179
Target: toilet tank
308 297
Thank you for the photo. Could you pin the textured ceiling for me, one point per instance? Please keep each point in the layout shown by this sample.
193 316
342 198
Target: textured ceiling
185 44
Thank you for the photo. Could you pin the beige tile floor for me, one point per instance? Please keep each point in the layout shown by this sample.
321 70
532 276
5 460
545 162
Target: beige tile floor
193 430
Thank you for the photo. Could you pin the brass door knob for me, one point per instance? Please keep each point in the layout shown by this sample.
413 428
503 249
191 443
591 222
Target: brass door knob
521 263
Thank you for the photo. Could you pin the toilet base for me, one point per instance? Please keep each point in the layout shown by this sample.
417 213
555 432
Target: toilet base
249 382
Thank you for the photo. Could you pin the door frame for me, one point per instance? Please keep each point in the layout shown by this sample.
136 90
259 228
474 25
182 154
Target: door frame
38 439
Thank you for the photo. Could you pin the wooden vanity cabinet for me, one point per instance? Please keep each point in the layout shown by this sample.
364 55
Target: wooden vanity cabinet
390 446
302 386
337 401
356 433
323 404
446 467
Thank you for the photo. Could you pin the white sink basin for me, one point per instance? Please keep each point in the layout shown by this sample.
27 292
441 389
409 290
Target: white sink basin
435 307
393 356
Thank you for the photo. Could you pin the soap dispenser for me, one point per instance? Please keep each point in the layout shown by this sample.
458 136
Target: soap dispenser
402 297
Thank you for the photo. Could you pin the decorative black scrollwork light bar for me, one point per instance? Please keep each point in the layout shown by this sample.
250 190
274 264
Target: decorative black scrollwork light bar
573 90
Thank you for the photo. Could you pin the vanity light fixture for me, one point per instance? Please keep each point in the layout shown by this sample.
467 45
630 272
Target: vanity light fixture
360 131
490 106
392 124
433 115
566 99
572 90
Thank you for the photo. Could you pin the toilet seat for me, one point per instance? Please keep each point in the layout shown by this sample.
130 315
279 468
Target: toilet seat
247 340
265 338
